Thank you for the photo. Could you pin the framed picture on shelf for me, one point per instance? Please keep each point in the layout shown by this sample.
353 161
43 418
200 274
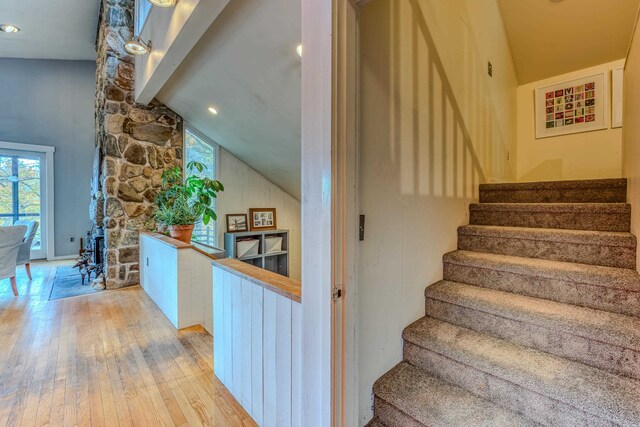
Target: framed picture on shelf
575 106
262 219
237 223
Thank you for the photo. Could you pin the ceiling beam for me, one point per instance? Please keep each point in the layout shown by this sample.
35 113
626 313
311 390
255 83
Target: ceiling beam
173 32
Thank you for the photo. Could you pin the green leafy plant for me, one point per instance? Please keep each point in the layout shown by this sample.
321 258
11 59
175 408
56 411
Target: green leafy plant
185 201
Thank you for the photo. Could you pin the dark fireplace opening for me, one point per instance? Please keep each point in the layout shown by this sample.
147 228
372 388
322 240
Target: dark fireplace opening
90 263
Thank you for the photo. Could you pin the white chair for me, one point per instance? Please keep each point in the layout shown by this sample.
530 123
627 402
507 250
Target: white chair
24 254
10 241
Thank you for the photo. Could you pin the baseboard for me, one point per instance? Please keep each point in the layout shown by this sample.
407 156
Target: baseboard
62 258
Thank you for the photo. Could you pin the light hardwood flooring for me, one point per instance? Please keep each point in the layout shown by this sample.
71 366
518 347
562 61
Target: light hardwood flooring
104 359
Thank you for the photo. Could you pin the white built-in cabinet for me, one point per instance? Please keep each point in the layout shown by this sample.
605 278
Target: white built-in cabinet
257 348
178 279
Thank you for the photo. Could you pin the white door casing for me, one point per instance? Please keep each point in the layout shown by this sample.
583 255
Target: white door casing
46 153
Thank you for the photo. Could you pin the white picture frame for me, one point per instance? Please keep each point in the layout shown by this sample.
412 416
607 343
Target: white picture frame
589 99
617 81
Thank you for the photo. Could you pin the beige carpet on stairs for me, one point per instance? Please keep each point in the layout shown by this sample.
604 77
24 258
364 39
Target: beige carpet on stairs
537 318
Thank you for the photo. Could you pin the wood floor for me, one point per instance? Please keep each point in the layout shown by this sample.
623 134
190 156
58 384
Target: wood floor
104 359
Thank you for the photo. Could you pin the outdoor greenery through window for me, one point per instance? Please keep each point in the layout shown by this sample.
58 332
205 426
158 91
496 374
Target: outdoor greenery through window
199 150
19 190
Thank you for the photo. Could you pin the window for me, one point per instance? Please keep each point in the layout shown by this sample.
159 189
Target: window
200 150
143 7
20 189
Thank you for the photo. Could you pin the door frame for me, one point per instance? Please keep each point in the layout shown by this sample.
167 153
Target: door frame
47 226
329 212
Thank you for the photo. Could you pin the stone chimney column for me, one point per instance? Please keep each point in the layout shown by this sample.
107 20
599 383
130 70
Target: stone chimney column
134 144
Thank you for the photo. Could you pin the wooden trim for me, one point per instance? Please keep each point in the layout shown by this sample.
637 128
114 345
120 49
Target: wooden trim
178 244
317 182
282 285
345 214
170 241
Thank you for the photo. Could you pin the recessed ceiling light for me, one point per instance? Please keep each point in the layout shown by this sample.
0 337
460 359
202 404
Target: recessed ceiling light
163 3
213 111
7 28
137 46
299 50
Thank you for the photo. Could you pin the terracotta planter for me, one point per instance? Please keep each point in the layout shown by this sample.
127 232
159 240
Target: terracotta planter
182 232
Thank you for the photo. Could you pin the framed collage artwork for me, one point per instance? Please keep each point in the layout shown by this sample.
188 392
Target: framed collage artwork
575 106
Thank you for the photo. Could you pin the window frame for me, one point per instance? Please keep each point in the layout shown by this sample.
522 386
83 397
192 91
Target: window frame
216 151
141 15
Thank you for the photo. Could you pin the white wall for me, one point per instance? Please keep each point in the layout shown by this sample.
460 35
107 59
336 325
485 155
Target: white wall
433 126
631 132
46 102
244 188
587 155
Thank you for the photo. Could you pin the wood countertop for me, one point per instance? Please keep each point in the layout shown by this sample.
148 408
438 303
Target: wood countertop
277 283
178 244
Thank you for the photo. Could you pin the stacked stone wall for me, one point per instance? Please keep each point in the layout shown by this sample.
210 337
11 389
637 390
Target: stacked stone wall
134 144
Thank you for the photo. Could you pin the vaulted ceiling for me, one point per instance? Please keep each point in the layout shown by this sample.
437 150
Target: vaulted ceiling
247 68
60 29
551 37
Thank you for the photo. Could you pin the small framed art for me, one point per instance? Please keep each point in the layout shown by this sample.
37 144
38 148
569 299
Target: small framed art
575 106
236 223
262 219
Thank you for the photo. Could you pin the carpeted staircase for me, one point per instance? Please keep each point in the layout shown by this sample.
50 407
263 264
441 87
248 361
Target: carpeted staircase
537 320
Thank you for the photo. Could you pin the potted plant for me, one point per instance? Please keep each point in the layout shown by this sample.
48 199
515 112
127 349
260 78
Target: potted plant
183 202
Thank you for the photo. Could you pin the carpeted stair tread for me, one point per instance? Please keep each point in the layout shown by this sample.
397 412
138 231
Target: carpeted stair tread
597 325
581 184
432 402
375 423
619 208
581 191
584 237
596 275
608 248
571 216
603 288
591 390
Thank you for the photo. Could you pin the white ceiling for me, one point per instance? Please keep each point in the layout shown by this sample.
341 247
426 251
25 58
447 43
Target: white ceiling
246 66
549 38
60 29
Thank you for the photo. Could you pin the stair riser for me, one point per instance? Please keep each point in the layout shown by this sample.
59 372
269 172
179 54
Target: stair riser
612 358
542 409
593 254
584 295
600 195
391 416
559 220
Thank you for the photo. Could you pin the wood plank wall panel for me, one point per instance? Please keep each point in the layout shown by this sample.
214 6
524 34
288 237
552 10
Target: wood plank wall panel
257 402
296 365
218 319
258 333
283 361
245 188
236 338
246 353
269 358
227 334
